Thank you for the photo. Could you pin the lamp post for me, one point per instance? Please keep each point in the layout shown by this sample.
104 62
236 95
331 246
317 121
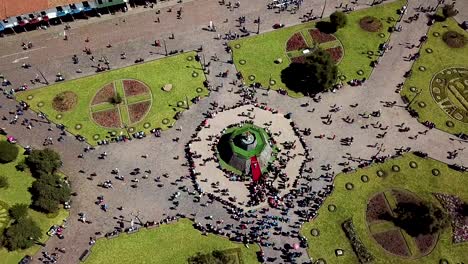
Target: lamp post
45 80
323 10
165 47
412 100
258 25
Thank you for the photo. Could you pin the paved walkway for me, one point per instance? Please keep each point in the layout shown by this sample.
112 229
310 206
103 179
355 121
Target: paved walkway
152 198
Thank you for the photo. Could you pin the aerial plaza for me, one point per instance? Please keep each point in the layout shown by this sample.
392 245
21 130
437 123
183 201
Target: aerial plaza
230 132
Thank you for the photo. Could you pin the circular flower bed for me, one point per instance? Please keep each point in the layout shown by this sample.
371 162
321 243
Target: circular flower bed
180 103
272 82
435 172
40 104
370 52
342 77
190 58
131 129
237 46
199 89
78 126
370 23
436 34
252 77
422 104
321 261
360 72
315 232
96 137
429 50
422 68
30 97
165 121
365 178
450 123
332 208
194 74
242 62
413 164
113 133
382 35
454 39
349 186
395 168
59 116
380 173
64 101
146 125
413 89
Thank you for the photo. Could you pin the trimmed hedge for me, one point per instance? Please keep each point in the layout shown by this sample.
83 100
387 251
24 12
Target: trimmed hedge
361 251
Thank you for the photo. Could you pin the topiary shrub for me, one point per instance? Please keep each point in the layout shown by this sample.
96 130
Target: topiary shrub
117 99
8 152
338 19
454 39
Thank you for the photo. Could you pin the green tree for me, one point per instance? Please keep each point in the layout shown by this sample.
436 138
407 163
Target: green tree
49 191
420 218
43 161
22 234
18 211
4 182
8 152
117 99
338 19
449 10
317 74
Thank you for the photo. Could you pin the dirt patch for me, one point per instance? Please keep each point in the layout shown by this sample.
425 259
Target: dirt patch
321 37
138 110
134 87
425 243
64 101
402 196
296 42
108 118
336 53
300 59
105 94
370 23
377 208
393 241
454 39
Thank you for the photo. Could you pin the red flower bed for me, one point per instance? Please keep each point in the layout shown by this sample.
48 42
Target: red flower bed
105 94
138 110
336 53
405 197
425 243
377 208
300 59
296 42
393 242
107 118
321 37
133 87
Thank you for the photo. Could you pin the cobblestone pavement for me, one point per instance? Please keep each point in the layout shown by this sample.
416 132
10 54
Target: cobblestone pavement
151 199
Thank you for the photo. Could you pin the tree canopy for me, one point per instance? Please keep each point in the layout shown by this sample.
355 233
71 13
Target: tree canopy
449 10
18 211
420 218
317 74
22 234
8 152
338 19
43 161
49 191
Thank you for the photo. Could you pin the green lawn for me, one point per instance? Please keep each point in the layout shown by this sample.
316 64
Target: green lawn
172 243
18 192
352 204
260 52
441 57
176 70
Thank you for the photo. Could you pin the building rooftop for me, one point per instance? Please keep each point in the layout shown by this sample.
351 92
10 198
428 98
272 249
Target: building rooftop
13 8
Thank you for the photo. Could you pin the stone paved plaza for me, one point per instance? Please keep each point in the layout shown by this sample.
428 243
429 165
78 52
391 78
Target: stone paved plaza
134 33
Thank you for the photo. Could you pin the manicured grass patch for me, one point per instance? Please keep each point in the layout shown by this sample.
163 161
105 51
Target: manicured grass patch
18 192
353 205
174 70
172 243
444 105
260 52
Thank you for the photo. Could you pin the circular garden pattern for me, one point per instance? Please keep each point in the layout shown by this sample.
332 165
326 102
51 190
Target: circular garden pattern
297 43
121 102
449 89
370 23
390 237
